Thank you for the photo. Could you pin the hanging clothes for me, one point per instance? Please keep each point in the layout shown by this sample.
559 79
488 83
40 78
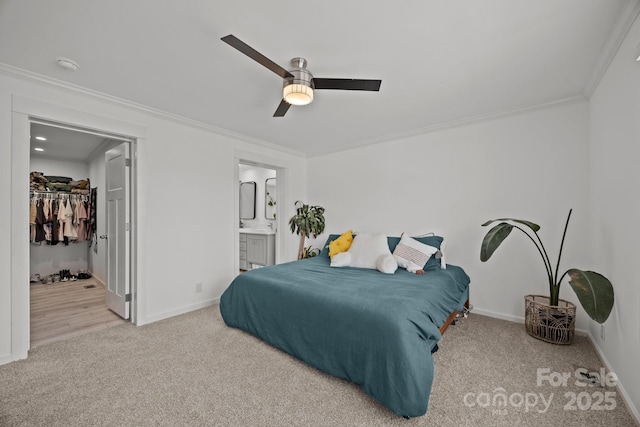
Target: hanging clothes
55 225
69 229
47 220
81 221
88 224
59 217
33 211
93 221
40 220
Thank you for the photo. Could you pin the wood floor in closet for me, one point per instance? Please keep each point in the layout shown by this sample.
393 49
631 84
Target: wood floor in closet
63 310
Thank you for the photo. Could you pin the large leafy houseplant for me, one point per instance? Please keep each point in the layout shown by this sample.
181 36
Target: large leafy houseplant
308 220
594 291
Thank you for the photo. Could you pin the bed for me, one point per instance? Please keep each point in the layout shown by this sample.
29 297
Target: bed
376 330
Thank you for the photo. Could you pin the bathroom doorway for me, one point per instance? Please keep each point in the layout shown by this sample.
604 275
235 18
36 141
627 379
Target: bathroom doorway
258 215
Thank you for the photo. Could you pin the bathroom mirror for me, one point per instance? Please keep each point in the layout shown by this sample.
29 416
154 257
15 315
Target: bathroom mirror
248 200
270 198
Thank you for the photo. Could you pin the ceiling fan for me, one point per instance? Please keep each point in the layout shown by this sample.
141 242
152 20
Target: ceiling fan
298 83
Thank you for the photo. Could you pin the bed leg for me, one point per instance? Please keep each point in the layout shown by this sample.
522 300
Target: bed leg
466 309
455 316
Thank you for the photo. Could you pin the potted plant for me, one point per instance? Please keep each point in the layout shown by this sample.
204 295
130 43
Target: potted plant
310 252
271 202
308 220
550 318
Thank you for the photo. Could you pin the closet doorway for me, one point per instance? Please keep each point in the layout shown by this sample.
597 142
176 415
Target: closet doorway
80 265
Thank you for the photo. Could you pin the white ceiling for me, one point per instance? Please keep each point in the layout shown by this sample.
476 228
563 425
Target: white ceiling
440 62
64 144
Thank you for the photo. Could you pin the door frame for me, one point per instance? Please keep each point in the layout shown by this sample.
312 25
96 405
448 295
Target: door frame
23 111
281 167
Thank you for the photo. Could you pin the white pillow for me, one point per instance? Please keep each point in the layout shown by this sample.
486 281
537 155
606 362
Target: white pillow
367 248
411 254
443 262
386 264
341 259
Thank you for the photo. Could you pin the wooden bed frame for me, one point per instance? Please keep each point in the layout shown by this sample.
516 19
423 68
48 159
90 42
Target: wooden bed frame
452 318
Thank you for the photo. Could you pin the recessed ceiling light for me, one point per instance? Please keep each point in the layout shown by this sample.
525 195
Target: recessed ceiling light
67 64
38 149
41 138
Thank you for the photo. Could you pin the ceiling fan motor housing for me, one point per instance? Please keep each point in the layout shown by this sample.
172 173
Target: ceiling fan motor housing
298 90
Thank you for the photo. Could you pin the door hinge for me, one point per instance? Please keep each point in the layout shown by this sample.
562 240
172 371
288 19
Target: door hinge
127 298
127 162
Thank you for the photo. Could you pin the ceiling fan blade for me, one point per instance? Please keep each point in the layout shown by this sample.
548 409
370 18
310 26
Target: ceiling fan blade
235 42
282 109
347 84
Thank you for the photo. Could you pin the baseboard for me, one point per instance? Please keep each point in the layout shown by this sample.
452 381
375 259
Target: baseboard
511 318
625 396
495 315
97 279
177 312
5 358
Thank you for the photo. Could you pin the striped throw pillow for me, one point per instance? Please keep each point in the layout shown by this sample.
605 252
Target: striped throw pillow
411 254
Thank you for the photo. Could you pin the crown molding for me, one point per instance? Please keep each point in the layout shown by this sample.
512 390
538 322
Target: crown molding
41 79
32 77
617 35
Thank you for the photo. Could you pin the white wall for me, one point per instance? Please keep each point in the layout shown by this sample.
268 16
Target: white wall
530 166
45 259
615 206
187 204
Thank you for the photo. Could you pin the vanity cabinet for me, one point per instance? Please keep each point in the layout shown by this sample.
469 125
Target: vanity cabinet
244 265
261 249
258 249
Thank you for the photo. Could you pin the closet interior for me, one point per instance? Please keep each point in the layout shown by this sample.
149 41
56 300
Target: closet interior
61 212
67 258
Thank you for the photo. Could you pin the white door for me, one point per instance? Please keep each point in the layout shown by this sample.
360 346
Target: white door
117 237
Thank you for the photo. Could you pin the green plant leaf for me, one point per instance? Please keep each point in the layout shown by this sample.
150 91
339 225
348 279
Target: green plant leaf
307 220
594 291
531 225
493 239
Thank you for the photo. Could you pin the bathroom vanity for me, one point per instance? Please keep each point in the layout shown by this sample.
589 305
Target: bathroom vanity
257 247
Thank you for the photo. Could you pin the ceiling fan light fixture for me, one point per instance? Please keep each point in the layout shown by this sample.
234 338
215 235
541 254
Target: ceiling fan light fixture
298 89
298 83
297 94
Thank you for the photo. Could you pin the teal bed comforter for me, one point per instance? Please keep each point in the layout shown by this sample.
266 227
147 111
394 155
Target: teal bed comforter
377 330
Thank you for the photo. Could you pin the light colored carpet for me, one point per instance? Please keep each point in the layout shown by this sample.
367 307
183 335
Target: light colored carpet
192 370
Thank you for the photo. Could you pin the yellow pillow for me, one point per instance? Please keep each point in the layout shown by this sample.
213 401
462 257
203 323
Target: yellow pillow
341 244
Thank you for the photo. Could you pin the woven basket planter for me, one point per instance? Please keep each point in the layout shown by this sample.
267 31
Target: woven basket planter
550 323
